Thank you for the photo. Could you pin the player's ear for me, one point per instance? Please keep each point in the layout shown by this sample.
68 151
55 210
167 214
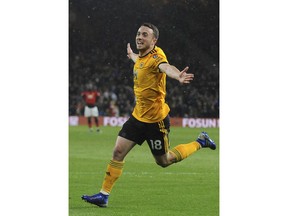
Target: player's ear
154 40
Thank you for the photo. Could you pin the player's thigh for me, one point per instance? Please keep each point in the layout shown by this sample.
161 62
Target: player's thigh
122 147
94 111
157 137
87 112
133 130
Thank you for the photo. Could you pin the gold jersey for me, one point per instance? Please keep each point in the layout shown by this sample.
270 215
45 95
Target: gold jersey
150 87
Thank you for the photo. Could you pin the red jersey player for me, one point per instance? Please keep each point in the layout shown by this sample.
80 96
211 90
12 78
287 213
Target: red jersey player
91 110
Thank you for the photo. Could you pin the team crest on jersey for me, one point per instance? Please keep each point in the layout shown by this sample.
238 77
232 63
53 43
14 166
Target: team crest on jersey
155 56
158 59
141 65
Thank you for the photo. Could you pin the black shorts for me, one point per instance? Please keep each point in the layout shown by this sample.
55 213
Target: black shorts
156 134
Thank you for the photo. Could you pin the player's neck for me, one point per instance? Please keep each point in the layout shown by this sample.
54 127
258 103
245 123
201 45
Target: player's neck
145 52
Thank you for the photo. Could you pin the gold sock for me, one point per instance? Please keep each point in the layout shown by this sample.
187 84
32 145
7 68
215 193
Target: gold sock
182 151
113 172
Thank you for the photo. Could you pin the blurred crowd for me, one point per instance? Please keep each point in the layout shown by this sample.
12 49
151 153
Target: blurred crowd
100 30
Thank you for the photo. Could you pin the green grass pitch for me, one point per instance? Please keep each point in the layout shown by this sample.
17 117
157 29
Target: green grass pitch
190 187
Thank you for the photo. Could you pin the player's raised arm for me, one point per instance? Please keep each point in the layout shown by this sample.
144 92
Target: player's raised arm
131 54
174 73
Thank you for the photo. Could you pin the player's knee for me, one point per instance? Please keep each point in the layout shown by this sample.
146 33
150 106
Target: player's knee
117 152
163 164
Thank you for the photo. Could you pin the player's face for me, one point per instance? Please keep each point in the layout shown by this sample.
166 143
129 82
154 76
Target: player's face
145 39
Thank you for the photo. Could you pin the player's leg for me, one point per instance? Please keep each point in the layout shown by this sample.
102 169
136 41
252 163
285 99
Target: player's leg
96 121
115 166
182 151
158 141
131 130
129 135
89 123
87 114
95 114
97 124
113 172
165 157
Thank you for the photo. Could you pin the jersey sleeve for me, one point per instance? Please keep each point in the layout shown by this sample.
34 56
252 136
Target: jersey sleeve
159 57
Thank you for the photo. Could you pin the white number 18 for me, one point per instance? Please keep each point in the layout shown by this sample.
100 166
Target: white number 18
156 144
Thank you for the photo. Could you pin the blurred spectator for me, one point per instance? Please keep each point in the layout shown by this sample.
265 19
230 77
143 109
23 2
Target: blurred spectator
113 109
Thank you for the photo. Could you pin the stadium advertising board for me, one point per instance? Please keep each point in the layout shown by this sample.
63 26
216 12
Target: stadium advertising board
200 122
119 121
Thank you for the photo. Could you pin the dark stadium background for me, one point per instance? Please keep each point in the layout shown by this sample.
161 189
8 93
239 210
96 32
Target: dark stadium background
189 35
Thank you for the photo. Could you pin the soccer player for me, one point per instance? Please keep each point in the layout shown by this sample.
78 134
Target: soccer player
150 119
91 110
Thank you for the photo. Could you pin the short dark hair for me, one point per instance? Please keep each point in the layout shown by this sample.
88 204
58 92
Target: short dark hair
154 28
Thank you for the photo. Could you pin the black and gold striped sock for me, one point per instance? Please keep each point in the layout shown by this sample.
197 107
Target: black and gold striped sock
113 172
182 151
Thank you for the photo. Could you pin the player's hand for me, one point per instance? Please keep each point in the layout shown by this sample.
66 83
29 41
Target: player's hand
131 54
185 77
129 51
